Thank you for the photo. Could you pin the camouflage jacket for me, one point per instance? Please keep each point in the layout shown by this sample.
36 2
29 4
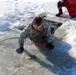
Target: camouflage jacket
42 36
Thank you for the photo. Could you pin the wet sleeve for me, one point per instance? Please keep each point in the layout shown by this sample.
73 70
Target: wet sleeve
50 37
23 37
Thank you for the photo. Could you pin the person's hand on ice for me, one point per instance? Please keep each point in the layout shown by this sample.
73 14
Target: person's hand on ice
20 50
49 46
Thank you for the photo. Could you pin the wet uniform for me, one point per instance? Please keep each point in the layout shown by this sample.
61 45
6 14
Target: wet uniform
39 37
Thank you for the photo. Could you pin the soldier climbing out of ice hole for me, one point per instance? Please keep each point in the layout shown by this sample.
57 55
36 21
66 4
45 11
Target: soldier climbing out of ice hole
39 33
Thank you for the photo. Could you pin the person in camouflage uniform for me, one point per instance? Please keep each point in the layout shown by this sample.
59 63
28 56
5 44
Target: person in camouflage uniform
39 32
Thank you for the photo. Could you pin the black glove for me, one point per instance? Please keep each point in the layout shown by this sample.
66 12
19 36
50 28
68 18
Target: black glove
20 50
49 46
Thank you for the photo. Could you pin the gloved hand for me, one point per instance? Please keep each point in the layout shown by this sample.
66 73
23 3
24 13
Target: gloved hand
49 46
20 50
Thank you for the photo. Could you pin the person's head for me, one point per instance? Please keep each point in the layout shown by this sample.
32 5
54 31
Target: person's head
37 21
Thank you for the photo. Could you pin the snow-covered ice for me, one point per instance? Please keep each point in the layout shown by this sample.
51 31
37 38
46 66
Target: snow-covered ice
16 14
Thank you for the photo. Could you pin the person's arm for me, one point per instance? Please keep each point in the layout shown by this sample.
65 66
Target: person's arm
23 37
50 39
50 23
50 36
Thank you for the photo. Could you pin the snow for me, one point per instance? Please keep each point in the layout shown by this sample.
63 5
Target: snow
20 13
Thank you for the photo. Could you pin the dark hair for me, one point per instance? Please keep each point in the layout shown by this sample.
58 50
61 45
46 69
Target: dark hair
38 21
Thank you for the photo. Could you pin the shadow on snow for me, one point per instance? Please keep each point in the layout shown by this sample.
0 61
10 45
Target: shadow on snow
62 62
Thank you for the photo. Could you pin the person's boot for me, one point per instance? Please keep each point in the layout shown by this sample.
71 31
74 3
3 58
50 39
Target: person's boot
60 13
73 16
